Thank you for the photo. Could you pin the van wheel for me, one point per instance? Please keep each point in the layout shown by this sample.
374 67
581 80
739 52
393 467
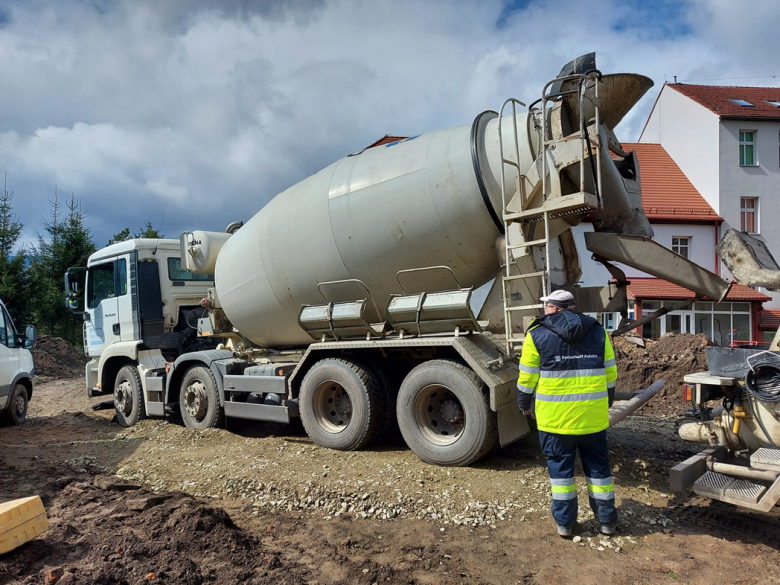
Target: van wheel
129 397
16 410
199 400
340 404
444 415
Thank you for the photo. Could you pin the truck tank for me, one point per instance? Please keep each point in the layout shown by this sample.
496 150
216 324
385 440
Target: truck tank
429 200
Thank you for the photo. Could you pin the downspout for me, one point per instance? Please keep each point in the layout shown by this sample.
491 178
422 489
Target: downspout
638 315
717 239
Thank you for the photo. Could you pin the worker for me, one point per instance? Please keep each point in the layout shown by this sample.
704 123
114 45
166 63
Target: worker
568 362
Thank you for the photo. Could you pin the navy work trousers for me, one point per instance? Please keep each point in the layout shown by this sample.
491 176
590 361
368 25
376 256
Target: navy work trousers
561 451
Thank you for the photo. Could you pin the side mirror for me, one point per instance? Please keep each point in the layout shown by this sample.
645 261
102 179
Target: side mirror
30 335
72 304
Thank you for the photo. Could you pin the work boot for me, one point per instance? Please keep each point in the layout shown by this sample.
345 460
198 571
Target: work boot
565 531
609 529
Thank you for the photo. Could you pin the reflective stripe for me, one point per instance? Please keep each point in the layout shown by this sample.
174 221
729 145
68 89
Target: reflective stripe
526 389
599 495
599 480
559 482
565 496
612 384
572 373
529 369
564 489
609 363
582 397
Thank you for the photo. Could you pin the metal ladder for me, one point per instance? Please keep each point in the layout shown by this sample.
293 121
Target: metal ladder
552 208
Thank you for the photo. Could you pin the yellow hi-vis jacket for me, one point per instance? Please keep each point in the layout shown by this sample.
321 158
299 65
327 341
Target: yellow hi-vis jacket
569 362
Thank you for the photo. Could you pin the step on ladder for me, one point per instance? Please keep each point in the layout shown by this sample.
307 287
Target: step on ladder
554 205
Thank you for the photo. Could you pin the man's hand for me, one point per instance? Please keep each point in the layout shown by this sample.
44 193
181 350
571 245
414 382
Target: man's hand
524 402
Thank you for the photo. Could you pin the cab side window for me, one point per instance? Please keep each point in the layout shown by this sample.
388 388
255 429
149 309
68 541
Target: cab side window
121 277
3 329
101 284
9 333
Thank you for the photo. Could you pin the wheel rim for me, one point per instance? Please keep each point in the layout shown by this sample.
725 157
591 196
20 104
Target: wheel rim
439 415
195 400
122 397
19 404
332 407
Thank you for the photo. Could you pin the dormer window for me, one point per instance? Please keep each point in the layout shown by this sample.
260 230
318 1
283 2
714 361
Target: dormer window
743 103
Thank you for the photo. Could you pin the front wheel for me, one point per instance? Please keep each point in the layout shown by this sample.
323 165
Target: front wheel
16 410
444 415
199 399
128 397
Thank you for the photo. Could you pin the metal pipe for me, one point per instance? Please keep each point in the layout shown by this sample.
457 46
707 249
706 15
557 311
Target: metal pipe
622 409
741 471
652 316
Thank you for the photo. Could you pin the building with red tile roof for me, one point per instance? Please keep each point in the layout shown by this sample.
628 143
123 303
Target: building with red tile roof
726 141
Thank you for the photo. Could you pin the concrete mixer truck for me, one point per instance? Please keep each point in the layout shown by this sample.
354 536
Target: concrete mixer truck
742 464
345 301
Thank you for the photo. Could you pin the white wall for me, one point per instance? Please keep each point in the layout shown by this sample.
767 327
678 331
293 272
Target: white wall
762 181
689 133
702 250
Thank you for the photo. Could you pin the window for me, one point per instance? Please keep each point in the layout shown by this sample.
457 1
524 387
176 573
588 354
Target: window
176 272
101 283
681 245
747 147
743 103
748 212
774 103
8 336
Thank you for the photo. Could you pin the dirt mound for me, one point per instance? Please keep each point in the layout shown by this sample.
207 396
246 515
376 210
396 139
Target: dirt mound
56 358
107 535
670 358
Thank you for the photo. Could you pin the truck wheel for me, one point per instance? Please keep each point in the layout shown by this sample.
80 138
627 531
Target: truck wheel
388 393
129 397
340 404
16 410
444 415
199 400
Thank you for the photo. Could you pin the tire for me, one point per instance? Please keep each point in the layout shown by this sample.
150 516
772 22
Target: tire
388 395
444 415
129 397
16 410
199 400
340 404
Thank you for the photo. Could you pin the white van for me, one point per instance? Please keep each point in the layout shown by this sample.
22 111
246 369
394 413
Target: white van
16 369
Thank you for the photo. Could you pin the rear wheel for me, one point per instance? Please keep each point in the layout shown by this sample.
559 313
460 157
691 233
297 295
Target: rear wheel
199 399
444 415
128 397
16 409
340 404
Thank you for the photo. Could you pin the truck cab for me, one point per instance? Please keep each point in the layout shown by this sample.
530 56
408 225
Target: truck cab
16 369
140 311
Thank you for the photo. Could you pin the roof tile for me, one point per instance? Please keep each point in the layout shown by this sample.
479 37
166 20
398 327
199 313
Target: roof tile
769 320
718 99
655 288
667 194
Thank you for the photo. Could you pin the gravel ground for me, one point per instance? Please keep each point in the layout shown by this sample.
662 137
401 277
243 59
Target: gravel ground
381 514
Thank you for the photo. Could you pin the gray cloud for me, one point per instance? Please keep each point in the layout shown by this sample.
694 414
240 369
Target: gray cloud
214 107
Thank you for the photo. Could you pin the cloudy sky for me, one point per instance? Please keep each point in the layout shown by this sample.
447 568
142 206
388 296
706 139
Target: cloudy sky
212 108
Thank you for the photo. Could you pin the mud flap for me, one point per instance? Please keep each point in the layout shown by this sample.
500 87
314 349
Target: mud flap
512 424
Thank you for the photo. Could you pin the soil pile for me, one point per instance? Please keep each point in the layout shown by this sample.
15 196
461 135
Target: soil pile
670 358
106 532
56 358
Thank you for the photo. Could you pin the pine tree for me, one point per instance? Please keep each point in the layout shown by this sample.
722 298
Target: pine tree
148 231
120 237
67 242
14 278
